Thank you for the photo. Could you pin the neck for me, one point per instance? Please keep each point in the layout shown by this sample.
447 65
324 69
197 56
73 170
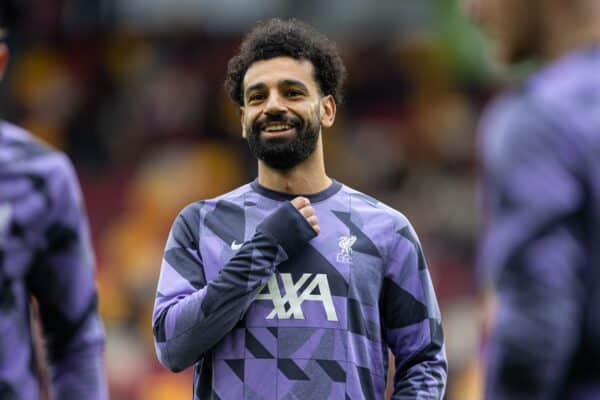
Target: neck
308 177
568 30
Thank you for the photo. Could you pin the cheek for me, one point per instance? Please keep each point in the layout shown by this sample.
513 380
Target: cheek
250 118
315 111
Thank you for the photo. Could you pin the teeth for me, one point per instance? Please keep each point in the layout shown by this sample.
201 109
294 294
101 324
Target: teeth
277 127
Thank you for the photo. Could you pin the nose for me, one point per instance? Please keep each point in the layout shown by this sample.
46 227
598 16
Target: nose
274 105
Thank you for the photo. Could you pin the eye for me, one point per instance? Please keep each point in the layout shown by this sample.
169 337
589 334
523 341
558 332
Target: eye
295 93
255 97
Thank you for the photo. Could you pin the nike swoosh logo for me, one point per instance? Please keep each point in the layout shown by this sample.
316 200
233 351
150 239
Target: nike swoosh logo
236 246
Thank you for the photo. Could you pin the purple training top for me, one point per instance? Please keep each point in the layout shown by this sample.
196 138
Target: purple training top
541 251
45 253
263 309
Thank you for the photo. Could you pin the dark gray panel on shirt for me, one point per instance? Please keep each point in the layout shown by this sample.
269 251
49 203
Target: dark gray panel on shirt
291 370
187 226
399 307
186 265
255 347
227 221
333 369
407 234
358 324
7 392
61 237
366 382
39 185
237 366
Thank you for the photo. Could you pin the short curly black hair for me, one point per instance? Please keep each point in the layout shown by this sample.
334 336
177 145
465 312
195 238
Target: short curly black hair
292 38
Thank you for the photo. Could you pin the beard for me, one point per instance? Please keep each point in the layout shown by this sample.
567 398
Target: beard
284 153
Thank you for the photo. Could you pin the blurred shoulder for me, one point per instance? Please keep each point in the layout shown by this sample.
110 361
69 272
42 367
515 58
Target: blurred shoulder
21 152
572 78
232 199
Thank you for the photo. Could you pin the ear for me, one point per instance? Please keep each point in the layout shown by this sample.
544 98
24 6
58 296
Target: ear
3 58
328 109
242 115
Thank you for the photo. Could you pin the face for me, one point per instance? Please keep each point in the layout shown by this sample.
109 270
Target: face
283 111
515 26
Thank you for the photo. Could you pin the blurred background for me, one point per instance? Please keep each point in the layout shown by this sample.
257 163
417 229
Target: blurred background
132 91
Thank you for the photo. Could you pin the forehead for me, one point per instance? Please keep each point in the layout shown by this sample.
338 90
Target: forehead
272 71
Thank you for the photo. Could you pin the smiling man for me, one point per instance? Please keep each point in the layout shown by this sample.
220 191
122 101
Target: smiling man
295 286
540 147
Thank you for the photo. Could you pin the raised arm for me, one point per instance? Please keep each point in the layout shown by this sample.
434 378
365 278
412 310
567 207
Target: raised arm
192 315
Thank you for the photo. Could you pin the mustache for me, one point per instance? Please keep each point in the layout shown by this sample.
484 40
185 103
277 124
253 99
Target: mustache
269 119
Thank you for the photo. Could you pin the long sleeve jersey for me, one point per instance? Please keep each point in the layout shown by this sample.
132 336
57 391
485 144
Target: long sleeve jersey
45 253
265 309
541 155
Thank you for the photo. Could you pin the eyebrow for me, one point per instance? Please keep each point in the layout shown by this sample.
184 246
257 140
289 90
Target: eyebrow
283 83
293 82
256 86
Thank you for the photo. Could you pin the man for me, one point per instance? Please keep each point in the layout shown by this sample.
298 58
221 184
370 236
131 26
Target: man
45 253
541 155
295 286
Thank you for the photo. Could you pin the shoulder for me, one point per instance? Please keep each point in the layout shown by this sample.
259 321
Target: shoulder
370 207
573 78
521 125
18 146
558 90
384 224
49 169
233 198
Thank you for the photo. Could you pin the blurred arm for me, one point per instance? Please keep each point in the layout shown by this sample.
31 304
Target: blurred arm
62 281
532 253
412 323
192 315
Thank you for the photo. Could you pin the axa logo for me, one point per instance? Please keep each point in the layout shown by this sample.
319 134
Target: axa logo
289 306
345 254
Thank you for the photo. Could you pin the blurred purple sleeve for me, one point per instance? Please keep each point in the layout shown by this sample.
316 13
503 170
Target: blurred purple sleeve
412 322
531 252
62 280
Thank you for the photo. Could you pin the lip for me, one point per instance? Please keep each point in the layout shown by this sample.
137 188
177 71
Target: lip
278 134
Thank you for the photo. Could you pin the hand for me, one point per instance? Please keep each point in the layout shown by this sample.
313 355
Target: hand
302 204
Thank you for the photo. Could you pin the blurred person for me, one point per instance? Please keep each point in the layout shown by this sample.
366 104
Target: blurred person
45 253
295 285
540 148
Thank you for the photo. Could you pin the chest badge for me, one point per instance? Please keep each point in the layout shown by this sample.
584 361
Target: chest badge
345 254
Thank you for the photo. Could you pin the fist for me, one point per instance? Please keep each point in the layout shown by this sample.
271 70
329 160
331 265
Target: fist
302 204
